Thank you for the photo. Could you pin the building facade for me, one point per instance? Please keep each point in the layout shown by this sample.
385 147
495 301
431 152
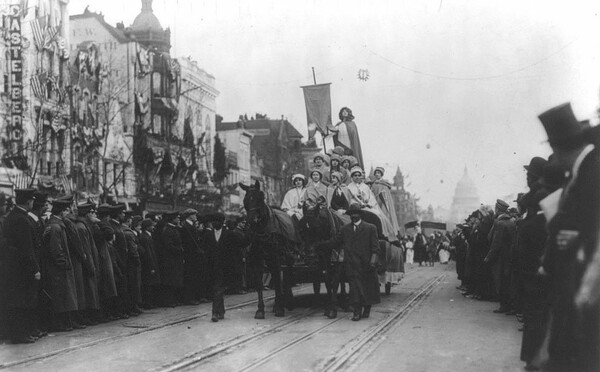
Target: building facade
466 199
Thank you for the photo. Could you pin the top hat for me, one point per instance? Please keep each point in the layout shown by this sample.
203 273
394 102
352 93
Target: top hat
561 125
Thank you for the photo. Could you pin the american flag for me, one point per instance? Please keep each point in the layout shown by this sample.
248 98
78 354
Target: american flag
38 26
50 35
67 184
38 85
21 181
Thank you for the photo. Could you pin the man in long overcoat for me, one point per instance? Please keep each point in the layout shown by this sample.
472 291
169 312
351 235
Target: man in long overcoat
150 271
501 238
22 270
360 245
193 255
134 266
171 263
92 300
120 250
104 236
59 268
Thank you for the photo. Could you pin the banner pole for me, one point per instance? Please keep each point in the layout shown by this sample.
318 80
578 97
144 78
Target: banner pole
314 77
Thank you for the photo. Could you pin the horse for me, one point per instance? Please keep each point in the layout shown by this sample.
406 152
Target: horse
273 237
322 224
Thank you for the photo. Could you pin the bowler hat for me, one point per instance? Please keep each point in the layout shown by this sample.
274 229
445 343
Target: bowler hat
23 195
536 166
561 125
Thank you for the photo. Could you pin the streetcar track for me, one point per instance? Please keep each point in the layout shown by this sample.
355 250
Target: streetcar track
107 340
356 351
195 359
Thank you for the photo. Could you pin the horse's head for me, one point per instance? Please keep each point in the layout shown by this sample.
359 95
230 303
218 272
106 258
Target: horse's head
316 219
254 203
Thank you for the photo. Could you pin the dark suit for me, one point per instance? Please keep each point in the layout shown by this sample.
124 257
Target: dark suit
575 334
219 261
21 266
360 245
150 271
193 253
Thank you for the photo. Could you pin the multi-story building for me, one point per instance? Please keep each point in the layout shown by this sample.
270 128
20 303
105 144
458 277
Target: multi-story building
277 143
35 130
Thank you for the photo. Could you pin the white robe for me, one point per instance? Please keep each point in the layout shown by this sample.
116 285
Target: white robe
292 202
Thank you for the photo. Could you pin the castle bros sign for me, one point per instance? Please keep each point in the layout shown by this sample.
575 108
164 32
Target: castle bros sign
15 132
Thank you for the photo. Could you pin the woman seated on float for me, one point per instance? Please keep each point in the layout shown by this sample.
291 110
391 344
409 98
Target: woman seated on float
338 196
315 189
292 200
361 194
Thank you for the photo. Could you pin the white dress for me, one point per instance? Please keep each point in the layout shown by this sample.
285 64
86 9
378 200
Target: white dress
410 253
292 202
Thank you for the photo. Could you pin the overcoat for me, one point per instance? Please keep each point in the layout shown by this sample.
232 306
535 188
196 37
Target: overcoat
92 300
103 236
501 238
150 271
79 261
21 261
221 255
359 246
57 260
575 334
193 253
171 264
134 266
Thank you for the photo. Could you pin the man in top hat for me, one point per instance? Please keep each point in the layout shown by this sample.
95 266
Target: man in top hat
62 287
150 271
134 266
171 264
359 242
22 274
501 238
573 242
193 254
292 200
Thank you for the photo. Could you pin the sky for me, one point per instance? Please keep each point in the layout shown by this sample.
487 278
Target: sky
452 84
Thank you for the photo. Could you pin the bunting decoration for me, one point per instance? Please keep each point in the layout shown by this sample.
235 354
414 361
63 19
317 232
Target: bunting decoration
38 26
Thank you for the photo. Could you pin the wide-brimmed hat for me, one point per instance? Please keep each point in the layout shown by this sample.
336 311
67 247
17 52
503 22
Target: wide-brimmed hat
356 169
561 125
536 166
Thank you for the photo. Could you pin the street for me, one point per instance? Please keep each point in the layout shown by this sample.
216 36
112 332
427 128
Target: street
424 325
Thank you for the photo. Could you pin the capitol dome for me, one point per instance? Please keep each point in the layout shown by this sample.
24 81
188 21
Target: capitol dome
466 199
147 29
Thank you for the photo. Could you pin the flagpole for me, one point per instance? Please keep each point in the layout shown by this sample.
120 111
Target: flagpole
314 77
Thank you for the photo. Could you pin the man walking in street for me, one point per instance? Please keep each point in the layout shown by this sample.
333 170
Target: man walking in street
360 244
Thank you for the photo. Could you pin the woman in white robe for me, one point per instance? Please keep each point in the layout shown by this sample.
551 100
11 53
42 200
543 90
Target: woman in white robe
292 200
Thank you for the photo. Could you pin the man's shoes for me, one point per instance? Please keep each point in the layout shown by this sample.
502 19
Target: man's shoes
332 314
214 318
366 311
356 317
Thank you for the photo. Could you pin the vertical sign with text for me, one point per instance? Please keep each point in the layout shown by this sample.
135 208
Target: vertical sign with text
15 132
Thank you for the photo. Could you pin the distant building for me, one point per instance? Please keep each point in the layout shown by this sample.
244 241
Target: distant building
404 202
277 144
466 199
